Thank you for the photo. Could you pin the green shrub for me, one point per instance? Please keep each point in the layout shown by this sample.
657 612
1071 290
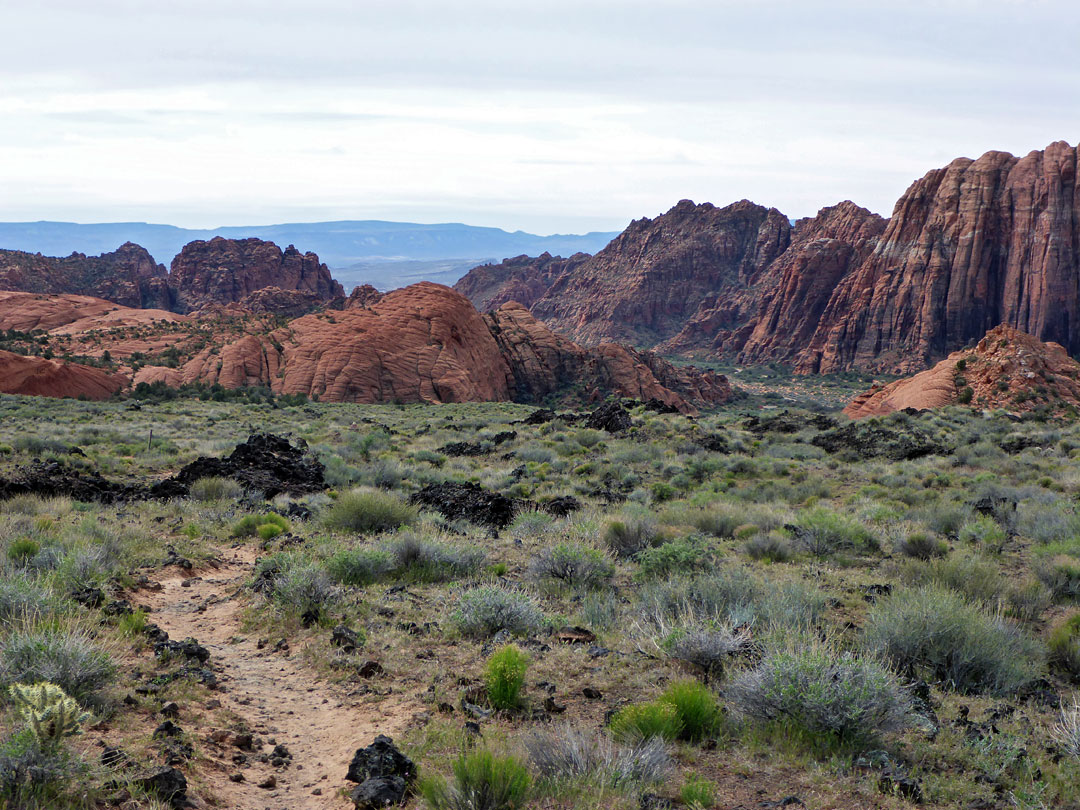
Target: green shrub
215 488
627 537
71 659
21 598
975 577
770 546
251 525
983 531
565 753
1061 574
22 550
505 675
368 512
1064 647
923 546
359 566
933 632
677 556
644 720
822 532
484 611
843 699
572 564
422 560
697 793
482 781
696 707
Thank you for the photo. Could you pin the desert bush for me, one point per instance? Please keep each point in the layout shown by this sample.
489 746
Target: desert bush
821 691
771 546
531 524
69 658
265 526
696 707
35 778
1061 574
942 517
707 648
728 597
1028 599
368 512
983 531
1066 732
482 781
697 794
215 488
359 566
822 532
922 546
22 549
629 536
423 560
934 632
504 676
305 589
569 753
572 564
600 610
974 576
1063 647
677 556
484 611
21 598
644 720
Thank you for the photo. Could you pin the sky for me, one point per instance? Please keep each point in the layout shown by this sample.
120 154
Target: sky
553 116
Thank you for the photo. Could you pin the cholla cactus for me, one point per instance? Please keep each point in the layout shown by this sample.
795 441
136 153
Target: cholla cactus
49 712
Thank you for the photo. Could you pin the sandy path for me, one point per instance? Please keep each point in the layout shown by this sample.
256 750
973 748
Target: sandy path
278 697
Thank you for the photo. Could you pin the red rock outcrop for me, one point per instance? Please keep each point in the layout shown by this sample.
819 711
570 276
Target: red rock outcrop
38 377
286 303
977 243
651 279
1006 369
423 343
363 296
543 363
223 271
127 276
522 279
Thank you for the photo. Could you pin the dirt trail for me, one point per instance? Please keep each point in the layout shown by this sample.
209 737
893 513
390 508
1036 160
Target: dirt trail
277 696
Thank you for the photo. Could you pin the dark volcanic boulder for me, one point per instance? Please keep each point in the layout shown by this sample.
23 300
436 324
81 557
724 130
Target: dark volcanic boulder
457 501
379 792
381 758
866 440
52 479
265 463
611 416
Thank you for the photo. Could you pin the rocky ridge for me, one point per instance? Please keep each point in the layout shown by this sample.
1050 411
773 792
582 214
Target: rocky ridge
423 343
1006 369
969 246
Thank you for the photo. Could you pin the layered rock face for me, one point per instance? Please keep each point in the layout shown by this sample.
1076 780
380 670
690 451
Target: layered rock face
1006 369
423 343
522 279
643 287
542 363
977 243
38 377
224 271
127 276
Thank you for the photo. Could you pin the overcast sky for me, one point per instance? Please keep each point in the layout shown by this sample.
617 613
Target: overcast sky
546 116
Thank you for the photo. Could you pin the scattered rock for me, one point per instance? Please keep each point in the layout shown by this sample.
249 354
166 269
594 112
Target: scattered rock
379 792
269 783
467 501
459 449
380 759
561 506
369 669
592 693
611 416
167 783
343 637
866 440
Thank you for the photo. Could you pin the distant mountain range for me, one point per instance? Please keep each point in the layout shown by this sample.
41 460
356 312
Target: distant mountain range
386 254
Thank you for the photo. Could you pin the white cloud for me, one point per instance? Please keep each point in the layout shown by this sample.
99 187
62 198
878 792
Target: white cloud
555 116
